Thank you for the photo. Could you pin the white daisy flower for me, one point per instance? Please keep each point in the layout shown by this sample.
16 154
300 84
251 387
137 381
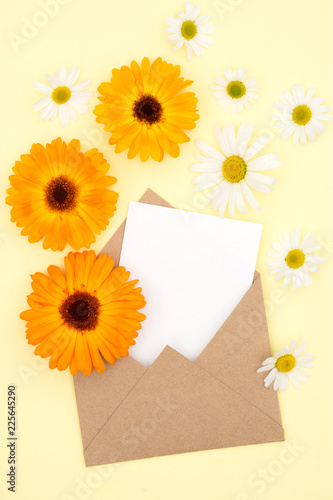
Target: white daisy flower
235 89
294 259
190 29
63 96
231 173
287 366
301 115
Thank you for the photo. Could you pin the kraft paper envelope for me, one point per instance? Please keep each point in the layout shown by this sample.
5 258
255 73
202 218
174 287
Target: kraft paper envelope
131 412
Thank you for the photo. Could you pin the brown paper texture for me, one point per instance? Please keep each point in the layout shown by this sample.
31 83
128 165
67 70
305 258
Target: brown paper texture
131 412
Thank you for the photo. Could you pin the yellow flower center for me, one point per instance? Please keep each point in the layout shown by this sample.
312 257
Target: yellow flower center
188 30
236 89
60 95
285 363
302 114
234 169
295 258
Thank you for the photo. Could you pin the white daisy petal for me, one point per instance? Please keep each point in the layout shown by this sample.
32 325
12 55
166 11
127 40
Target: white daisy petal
212 194
277 381
54 112
228 140
220 195
179 44
239 199
189 50
204 180
270 360
78 106
307 242
173 22
256 146
310 94
46 110
243 137
208 167
207 29
232 200
208 150
62 75
56 79
300 349
265 162
72 76
224 198
203 19
265 368
203 40
42 88
285 383
81 86
270 377
314 259
42 103
249 196
64 115
49 79
255 184
173 38
260 178
196 48
72 113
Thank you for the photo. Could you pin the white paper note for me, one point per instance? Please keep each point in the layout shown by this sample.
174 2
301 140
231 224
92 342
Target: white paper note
193 269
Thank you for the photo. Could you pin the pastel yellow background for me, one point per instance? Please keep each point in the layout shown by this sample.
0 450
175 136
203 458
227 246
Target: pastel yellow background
280 43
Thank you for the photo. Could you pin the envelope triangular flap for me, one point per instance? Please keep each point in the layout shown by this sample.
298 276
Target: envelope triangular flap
99 395
178 407
237 350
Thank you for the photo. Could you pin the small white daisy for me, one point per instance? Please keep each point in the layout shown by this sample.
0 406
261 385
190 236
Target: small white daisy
190 29
231 173
235 89
287 366
301 115
294 259
63 96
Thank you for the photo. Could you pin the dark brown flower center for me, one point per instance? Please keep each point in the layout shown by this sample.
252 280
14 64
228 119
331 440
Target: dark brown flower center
80 311
147 109
61 194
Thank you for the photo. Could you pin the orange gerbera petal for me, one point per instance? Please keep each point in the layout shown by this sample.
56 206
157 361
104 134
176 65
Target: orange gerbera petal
83 315
51 189
140 99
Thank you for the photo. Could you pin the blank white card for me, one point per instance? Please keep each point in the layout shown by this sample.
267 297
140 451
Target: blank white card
193 269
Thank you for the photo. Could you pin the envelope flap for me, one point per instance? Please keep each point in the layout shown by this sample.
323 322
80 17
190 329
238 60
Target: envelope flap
99 395
178 407
237 350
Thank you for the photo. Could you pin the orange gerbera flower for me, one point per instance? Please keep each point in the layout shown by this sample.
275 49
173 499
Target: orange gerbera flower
60 194
87 314
145 109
